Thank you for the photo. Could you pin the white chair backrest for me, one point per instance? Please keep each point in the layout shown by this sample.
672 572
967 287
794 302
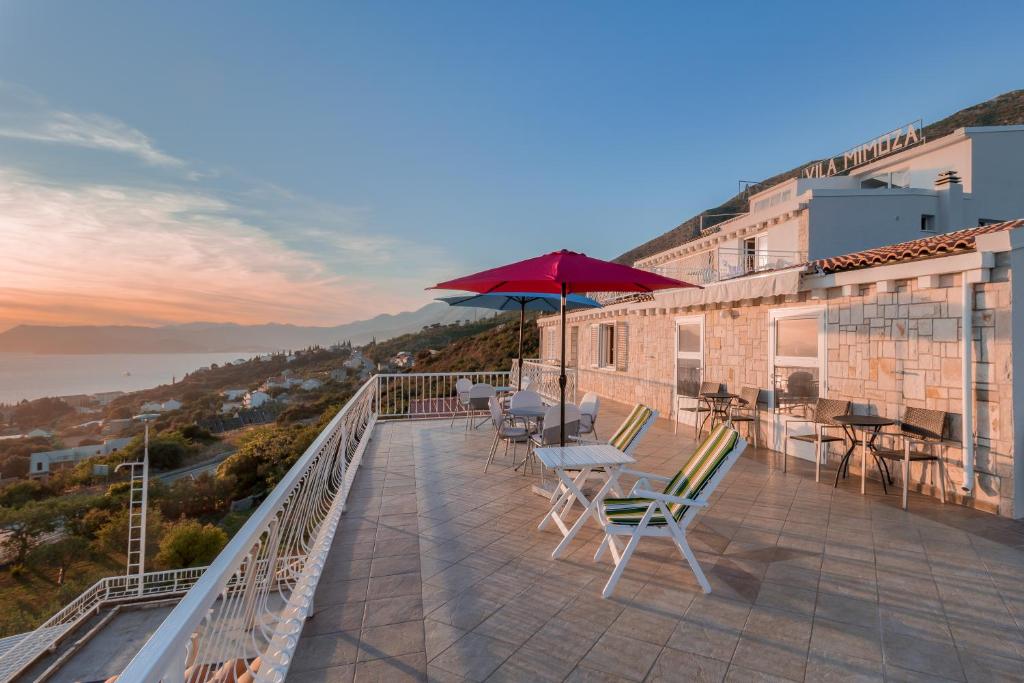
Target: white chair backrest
527 381
590 404
497 417
478 395
462 387
553 421
525 399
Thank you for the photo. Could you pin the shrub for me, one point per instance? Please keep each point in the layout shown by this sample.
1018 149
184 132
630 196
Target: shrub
188 543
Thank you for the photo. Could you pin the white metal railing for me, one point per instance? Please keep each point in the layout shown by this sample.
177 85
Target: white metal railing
725 263
242 618
542 376
108 590
426 395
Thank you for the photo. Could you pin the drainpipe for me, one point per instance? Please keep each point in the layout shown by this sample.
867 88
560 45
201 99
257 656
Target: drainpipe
966 326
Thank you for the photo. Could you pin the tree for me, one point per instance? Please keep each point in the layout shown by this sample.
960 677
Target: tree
18 493
265 456
188 543
112 536
25 527
166 450
61 554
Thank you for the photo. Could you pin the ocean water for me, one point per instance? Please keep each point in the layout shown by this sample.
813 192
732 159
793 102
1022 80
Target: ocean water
29 376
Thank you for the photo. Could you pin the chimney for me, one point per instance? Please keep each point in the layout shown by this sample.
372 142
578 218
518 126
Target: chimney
951 202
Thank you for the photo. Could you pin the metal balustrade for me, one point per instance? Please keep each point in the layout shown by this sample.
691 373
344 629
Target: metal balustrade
426 395
542 376
27 648
242 618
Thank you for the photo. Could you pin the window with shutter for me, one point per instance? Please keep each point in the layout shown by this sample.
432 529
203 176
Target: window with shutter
621 346
595 351
574 346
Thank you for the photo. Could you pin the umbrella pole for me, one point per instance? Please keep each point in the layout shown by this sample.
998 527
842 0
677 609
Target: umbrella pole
561 377
522 321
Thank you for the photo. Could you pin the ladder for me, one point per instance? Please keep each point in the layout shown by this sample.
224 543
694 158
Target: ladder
137 501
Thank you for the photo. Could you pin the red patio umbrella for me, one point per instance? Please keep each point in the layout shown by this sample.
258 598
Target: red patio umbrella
563 272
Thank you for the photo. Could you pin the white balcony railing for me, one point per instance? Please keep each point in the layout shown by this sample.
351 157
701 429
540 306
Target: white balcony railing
107 591
542 377
243 617
425 395
726 263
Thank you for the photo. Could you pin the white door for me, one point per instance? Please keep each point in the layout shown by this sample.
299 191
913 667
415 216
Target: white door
798 349
689 343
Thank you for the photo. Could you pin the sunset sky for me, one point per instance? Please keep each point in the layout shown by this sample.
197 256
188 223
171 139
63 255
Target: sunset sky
317 163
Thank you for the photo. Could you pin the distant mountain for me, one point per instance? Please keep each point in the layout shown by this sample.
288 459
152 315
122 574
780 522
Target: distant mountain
1006 109
218 337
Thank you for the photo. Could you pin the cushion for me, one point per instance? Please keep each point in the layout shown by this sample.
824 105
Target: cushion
623 438
689 482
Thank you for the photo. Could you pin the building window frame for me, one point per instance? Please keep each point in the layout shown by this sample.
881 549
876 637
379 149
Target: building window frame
605 348
820 362
687 355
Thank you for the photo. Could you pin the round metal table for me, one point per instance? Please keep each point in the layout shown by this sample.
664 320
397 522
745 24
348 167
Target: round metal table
869 426
718 404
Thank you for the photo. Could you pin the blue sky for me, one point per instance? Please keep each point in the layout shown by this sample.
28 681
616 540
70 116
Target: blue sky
321 162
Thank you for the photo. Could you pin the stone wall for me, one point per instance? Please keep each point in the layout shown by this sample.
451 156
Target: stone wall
885 351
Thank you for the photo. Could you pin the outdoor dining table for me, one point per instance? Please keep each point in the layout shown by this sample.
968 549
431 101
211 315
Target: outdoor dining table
525 413
869 426
718 403
583 460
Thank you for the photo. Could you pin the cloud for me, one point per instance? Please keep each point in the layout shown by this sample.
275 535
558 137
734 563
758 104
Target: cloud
82 254
26 116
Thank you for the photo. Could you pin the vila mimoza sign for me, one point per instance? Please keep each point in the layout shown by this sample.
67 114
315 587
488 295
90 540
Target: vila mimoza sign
894 141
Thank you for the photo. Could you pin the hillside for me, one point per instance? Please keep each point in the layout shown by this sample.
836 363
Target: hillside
1006 109
488 344
217 337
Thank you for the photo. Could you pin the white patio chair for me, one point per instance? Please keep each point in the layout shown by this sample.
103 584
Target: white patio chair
550 434
462 387
524 399
504 430
667 513
588 414
479 398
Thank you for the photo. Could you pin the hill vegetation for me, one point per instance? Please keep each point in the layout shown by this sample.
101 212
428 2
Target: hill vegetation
1006 109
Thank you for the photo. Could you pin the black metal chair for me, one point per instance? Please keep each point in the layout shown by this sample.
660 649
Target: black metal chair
921 433
823 418
697 407
748 410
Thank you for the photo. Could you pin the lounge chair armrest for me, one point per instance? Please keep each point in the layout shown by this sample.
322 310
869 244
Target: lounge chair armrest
654 495
644 475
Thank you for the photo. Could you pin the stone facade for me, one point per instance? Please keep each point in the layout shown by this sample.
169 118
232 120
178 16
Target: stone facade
886 350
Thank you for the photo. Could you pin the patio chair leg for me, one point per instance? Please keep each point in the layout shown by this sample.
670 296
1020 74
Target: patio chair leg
906 476
620 566
817 460
490 456
940 471
680 538
601 548
785 449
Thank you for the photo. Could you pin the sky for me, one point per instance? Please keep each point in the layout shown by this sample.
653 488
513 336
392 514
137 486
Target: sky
316 163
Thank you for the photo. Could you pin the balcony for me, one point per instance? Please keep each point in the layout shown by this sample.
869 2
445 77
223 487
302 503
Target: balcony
386 553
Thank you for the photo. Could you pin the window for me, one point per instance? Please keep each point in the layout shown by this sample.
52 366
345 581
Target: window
689 354
606 345
989 221
797 342
928 222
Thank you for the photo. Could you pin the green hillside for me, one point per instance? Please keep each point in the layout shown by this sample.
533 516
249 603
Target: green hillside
1006 109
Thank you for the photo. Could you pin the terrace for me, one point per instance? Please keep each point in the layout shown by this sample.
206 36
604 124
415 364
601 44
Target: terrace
396 558
439 571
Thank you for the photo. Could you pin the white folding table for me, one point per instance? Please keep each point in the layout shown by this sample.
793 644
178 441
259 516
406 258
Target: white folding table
584 459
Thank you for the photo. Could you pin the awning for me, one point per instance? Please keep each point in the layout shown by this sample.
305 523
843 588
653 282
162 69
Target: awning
728 291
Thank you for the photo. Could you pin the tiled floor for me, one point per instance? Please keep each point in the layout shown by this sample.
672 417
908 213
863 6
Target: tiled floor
439 571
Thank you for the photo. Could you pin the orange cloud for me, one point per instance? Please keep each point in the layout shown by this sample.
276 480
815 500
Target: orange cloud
100 254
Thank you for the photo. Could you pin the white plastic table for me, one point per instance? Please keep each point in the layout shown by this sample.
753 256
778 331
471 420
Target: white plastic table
584 458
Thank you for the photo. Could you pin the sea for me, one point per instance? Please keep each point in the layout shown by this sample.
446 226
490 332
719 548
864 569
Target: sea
30 376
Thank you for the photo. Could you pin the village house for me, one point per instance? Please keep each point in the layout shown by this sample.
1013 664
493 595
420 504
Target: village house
839 314
44 463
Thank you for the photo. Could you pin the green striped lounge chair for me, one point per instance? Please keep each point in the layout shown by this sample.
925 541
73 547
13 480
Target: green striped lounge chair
668 513
633 427
627 436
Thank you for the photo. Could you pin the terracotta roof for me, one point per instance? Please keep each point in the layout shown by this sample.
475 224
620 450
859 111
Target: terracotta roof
927 247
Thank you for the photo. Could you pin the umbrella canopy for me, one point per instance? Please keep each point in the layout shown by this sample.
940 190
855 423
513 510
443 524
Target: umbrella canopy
564 272
521 301
576 272
515 301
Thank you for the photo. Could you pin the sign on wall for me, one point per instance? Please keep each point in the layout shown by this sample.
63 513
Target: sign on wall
892 142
